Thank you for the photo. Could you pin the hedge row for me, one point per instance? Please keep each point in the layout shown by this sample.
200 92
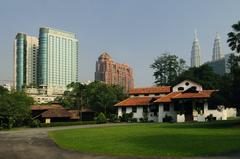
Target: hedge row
67 123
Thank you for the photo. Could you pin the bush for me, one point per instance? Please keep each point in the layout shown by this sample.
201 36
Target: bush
167 118
67 123
113 118
101 118
210 118
145 117
126 117
35 123
134 120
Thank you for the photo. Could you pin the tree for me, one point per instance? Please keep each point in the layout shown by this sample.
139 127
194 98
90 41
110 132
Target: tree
98 96
230 85
234 38
167 67
203 75
14 109
102 97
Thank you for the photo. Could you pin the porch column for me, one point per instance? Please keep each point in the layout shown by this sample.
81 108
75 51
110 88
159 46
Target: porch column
205 108
119 111
160 113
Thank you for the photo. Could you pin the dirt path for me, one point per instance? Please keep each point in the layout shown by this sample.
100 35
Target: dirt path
35 144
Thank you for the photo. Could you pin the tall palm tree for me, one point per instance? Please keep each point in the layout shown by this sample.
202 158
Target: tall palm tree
234 38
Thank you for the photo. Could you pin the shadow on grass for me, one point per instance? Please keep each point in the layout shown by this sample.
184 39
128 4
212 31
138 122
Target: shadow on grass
209 125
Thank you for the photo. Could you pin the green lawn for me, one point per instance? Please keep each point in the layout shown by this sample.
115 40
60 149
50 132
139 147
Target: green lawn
192 139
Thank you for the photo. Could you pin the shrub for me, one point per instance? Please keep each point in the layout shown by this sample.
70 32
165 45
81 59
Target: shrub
126 117
101 118
210 118
35 123
113 118
145 117
134 120
167 118
53 124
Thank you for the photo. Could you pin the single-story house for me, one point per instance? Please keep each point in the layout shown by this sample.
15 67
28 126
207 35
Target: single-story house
187 101
57 113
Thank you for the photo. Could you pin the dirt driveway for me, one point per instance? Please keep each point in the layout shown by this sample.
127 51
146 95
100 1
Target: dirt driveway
35 144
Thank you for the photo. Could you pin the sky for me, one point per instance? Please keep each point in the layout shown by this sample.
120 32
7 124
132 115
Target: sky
131 31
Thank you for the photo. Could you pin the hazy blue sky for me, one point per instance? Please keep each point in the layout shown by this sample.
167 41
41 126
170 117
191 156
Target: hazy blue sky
132 31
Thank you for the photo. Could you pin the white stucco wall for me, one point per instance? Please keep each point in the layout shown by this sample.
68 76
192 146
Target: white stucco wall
139 113
183 84
162 113
119 111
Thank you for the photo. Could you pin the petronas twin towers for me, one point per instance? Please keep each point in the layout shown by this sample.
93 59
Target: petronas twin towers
196 51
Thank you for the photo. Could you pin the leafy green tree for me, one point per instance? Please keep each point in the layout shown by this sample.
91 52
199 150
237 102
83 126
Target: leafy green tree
167 68
230 86
203 75
3 91
234 37
14 109
98 96
102 97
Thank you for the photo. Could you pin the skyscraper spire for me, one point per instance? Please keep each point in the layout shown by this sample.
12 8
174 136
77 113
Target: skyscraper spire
195 53
217 49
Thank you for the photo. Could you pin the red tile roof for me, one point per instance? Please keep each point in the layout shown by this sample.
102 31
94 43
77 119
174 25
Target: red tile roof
46 107
56 113
200 94
182 95
137 101
167 98
151 90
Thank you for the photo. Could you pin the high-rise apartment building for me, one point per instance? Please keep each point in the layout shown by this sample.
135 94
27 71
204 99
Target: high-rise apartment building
217 49
113 73
25 60
57 59
195 53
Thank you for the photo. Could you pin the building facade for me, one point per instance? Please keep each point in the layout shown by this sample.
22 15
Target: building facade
186 101
113 73
57 59
195 53
25 61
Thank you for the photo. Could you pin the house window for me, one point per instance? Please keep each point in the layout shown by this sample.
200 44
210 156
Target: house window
145 109
123 109
134 109
180 88
166 107
157 94
146 94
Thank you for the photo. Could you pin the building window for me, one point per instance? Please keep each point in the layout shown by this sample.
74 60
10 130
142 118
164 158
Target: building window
123 109
166 107
134 109
145 109
180 88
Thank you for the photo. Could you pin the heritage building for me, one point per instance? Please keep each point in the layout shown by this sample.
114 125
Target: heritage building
186 101
111 72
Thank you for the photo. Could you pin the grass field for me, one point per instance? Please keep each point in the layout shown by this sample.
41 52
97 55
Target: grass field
189 139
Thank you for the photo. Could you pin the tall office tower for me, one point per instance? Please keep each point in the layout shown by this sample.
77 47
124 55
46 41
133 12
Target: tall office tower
57 59
25 61
113 73
195 53
217 49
